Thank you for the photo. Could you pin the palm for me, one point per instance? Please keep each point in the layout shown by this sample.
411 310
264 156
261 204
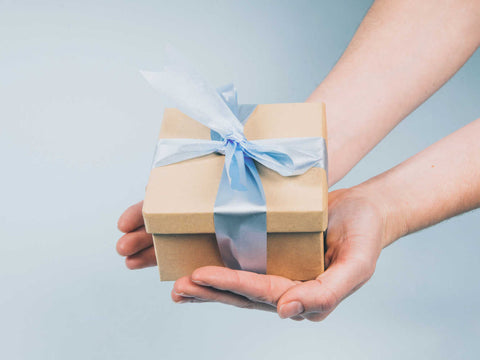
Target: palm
353 246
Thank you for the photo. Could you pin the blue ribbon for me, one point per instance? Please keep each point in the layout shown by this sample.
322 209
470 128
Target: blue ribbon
240 207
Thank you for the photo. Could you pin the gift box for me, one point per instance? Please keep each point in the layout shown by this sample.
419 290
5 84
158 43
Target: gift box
180 197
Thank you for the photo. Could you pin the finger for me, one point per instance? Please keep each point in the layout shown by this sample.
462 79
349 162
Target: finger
134 242
297 318
185 288
179 299
143 259
190 300
131 218
317 298
259 288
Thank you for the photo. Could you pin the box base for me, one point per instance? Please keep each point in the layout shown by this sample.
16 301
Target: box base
297 256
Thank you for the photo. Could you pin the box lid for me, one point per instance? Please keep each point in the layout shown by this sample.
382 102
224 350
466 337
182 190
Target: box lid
180 197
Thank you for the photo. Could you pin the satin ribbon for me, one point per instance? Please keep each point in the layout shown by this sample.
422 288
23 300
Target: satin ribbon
240 208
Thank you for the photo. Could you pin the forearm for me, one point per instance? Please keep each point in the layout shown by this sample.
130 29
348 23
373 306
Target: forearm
403 51
440 182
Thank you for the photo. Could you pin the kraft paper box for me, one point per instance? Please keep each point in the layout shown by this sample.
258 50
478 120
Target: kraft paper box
180 197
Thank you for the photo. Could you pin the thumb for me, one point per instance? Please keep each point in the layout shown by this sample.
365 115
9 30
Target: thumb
315 299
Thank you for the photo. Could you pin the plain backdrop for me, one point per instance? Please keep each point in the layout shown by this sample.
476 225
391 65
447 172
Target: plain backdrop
78 128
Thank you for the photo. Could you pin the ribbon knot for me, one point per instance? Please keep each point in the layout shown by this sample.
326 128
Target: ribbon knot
237 138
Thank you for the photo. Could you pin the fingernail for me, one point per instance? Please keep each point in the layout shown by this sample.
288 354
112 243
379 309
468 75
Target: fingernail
290 309
199 282
185 301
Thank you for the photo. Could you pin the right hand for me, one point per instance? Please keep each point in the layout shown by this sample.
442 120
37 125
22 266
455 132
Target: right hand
357 229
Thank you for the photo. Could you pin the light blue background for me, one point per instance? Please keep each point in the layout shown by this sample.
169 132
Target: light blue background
78 127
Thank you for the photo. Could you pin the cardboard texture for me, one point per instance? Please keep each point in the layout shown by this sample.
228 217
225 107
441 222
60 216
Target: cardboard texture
179 200
297 256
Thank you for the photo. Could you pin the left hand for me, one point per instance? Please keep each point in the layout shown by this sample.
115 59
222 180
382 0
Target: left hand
357 230
136 245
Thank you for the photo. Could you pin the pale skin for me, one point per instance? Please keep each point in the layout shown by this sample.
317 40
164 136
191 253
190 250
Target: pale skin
403 52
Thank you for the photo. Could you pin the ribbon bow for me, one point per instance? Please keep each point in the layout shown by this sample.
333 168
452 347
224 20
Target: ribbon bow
240 207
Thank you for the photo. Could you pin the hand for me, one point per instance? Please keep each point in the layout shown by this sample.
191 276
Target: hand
356 232
136 244
355 236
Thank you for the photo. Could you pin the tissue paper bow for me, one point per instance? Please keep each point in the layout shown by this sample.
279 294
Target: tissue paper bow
240 208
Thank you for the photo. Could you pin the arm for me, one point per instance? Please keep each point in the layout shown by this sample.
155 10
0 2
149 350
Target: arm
434 185
403 51
440 182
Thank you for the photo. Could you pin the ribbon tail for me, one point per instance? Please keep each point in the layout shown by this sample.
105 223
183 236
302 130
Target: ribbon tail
241 111
289 156
170 151
241 222
193 95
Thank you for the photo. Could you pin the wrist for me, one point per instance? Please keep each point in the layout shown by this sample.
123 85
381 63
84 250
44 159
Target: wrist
383 199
